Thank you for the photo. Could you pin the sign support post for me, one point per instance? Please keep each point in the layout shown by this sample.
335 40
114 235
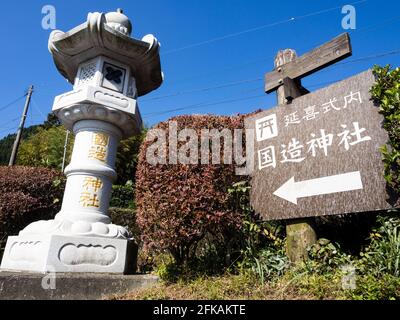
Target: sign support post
285 79
300 233
317 154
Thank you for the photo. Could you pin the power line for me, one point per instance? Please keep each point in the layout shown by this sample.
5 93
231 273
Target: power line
35 106
35 116
240 66
11 103
234 67
356 32
378 55
9 122
12 120
8 129
236 83
312 14
366 58
198 44
192 106
201 105
207 104
225 85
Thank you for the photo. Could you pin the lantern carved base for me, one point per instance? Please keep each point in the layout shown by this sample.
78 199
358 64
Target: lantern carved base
78 228
58 253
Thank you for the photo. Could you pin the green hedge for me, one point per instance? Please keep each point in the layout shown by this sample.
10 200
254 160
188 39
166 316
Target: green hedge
123 196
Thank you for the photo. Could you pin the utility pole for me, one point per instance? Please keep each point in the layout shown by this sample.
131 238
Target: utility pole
65 151
21 127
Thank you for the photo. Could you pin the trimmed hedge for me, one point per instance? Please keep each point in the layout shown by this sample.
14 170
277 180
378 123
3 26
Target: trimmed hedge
27 195
180 205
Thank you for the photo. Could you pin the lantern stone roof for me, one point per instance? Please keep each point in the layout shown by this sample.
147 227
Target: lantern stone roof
108 35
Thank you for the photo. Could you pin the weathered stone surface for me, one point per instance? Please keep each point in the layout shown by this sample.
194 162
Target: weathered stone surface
77 286
300 235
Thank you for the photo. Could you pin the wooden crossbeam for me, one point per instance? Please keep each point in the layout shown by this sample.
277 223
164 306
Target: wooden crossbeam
330 52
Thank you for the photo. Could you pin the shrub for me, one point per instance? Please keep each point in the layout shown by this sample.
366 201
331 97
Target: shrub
168 270
350 231
27 195
127 158
45 148
179 205
385 93
6 143
382 256
123 196
269 263
326 257
125 218
369 287
261 243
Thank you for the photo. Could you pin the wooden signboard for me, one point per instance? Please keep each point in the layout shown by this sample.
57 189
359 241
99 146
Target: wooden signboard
320 154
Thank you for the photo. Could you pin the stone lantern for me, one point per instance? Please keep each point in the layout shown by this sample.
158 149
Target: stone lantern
109 71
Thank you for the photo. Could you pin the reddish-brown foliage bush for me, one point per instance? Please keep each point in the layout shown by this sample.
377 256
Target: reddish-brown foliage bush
179 205
26 195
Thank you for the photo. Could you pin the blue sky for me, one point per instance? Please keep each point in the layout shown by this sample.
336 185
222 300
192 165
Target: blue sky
241 59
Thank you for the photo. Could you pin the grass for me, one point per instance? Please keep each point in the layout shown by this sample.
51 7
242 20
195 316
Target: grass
296 284
244 287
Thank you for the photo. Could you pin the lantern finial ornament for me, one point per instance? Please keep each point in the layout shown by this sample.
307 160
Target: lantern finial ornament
118 21
109 70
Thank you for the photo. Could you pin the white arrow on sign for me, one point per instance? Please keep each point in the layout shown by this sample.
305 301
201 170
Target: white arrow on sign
292 190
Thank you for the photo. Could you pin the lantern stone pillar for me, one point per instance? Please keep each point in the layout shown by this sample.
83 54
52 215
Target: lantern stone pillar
109 71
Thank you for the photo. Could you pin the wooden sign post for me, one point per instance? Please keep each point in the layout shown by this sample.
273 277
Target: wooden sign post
317 154
286 80
300 233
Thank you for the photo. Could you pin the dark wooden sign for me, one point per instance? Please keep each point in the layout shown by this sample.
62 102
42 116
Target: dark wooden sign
320 154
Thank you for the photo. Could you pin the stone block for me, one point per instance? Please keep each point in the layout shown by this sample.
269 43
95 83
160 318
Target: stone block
57 253
72 286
